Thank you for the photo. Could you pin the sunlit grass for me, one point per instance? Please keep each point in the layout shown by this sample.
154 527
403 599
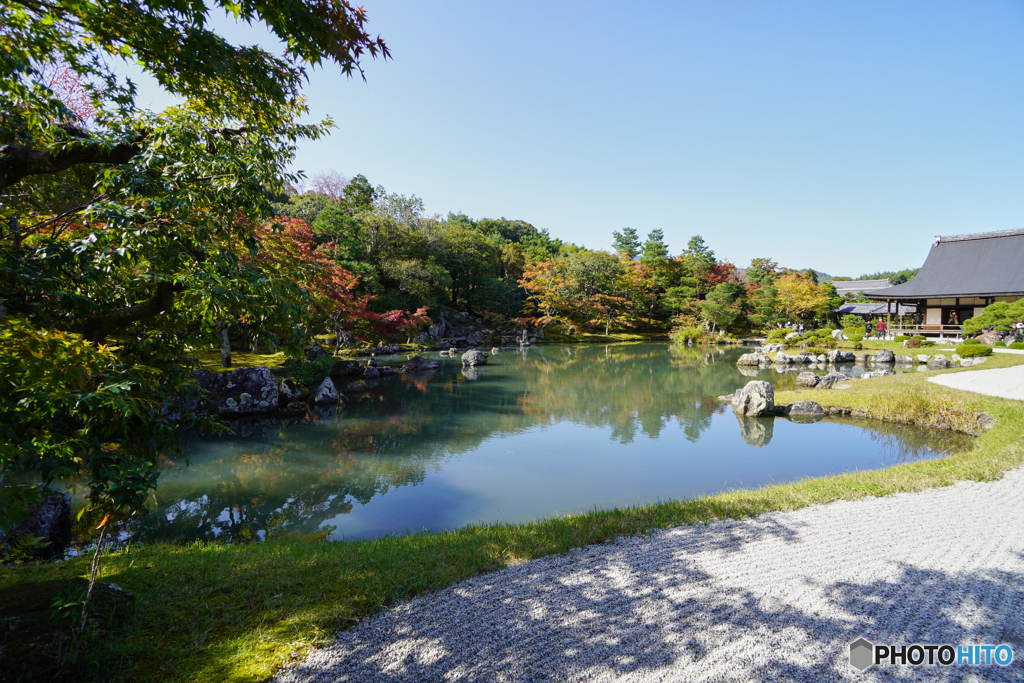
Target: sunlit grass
210 612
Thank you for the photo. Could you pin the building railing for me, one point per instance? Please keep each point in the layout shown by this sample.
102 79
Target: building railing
941 331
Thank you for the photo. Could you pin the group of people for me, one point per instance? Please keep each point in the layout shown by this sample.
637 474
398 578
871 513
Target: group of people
878 326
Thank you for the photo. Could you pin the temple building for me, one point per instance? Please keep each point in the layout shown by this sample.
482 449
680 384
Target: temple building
962 275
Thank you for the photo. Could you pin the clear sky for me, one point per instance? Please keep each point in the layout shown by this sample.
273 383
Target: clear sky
838 136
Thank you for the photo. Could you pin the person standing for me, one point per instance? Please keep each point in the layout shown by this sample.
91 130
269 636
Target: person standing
881 329
867 329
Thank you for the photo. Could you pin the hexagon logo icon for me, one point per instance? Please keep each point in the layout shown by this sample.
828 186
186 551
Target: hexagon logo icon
862 654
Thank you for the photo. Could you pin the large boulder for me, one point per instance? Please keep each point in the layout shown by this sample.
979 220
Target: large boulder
782 359
326 393
990 338
831 379
474 357
860 358
245 391
49 520
315 352
792 335
419 364
837 356
807 379
289 390
905 360
938 363
753 359
756 432
923 358
757 399
804 409
883 356
347 368
838 335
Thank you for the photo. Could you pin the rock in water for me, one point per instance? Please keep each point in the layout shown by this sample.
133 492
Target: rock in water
326 393
807 379
757 399
883 356
831 379
804 409
419 364
474 357
753 359
837 356
245 391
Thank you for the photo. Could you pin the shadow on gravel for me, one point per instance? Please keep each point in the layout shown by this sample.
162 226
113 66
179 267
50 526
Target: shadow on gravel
652 615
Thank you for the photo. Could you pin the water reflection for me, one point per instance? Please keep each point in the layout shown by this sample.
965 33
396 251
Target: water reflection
537 432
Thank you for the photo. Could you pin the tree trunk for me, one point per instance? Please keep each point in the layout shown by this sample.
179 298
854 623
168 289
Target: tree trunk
225 345
607 323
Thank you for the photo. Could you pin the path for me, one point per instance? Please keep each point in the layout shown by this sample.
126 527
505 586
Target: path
776 598
1001 382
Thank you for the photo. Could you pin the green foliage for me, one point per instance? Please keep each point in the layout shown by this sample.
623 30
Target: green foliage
1016 345
626 243
999 315
973 350
926 342
777 334
856 338
689 333
901 338
814 350
857 345
850 331
312 373
970 342
920 337
851 320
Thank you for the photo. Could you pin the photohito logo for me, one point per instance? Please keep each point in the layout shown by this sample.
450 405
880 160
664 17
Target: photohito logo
864 654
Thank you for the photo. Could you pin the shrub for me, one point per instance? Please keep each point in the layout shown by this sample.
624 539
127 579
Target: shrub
974 350
857 338
1016 345
311 373
684 334
920 337
971 342
857 346
850 331
926 342
901 338
778 334
814 351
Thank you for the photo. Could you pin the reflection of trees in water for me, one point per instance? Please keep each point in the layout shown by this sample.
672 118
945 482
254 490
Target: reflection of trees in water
904 443
273 477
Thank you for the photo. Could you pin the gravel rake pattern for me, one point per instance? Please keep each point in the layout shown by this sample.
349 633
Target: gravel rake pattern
776 598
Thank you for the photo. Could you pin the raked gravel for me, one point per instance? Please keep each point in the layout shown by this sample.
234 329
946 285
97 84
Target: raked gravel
776 598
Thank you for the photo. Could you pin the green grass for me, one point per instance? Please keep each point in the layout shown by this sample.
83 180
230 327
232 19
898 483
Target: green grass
210 360
589 338
209 612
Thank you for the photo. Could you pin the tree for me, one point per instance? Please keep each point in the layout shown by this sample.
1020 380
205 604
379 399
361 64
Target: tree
999 315
799 297
163 203
766 307
722 306
329 183
626 243
762 271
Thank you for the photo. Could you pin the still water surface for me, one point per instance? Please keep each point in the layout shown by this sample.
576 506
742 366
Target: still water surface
548 431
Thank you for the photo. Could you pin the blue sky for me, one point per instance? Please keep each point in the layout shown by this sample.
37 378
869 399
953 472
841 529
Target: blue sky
839 136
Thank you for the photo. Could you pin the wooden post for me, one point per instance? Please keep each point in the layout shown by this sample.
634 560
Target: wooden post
888 315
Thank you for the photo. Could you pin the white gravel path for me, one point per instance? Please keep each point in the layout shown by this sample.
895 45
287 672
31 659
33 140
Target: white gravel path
777 598
1002 382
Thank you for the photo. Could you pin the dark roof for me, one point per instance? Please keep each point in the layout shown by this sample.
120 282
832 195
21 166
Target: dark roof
982 264
876 309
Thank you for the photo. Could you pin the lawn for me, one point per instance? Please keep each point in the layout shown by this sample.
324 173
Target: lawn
211 612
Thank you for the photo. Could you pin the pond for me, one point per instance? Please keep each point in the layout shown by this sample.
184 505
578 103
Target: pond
545 431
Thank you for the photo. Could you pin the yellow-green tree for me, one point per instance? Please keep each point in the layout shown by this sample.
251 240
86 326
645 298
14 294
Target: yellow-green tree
800 297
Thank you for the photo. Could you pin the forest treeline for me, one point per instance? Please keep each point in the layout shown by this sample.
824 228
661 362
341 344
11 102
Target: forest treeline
404 260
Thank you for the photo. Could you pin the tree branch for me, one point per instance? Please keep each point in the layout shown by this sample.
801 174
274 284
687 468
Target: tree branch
18 162
99 328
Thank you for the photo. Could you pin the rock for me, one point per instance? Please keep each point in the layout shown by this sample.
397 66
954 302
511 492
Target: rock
831 379
315 352
289 390
955 357
792 335
905 360
475 338
371 373
419 364
245 391
860 358
752 359
474 357
804 409
979 360
807 379
725 399
939 363
346 368
859 412
923 358
470 372
769 348
782 359
911 343
990 338
756 432
387 371
326 393
379 350
357 387
883 356
822 358
495 350
801 359
755 400
876 373
838 335
837 356
985 421
48 520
